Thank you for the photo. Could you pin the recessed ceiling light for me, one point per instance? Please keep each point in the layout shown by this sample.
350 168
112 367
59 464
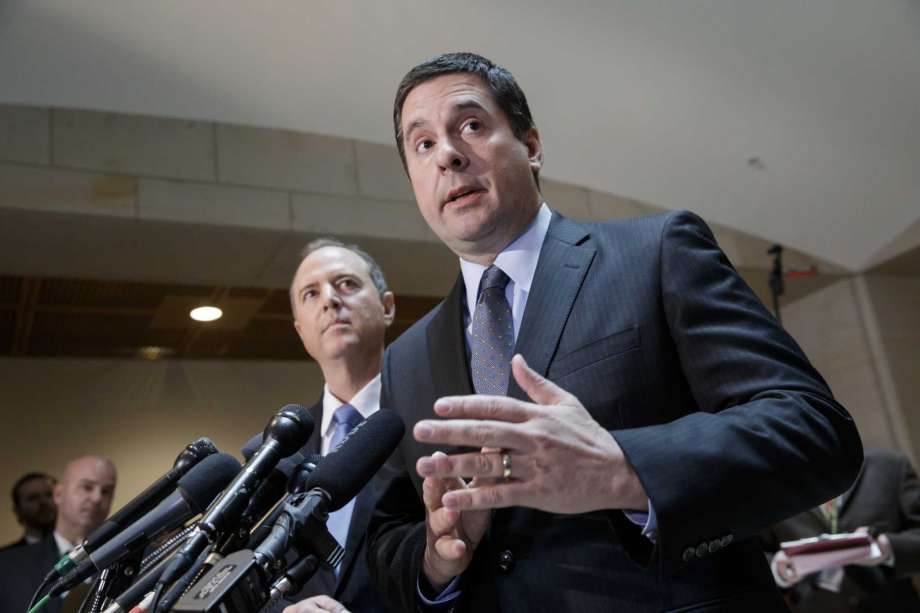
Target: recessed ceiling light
153 352
206 313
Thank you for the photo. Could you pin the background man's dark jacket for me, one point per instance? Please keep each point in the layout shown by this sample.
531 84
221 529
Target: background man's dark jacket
885 497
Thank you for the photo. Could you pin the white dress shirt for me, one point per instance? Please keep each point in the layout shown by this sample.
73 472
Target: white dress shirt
519 261
366 402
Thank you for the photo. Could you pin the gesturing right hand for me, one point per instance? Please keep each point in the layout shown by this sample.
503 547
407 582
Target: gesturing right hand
452 535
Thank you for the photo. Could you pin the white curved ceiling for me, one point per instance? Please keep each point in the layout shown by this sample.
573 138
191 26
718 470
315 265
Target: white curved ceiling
659 101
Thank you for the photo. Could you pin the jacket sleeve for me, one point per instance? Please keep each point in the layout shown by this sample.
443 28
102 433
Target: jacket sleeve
768 440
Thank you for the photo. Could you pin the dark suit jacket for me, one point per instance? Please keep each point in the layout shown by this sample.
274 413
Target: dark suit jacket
20 543
886 497
353 587
725 421
21 572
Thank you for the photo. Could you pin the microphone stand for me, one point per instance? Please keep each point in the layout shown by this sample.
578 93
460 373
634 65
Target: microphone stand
777 287
112 581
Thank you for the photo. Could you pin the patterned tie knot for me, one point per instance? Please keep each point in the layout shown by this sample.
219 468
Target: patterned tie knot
493 277
347 416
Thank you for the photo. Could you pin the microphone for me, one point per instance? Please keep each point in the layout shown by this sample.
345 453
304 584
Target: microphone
335 481
193 494
287 432
193 453
263 500
240 582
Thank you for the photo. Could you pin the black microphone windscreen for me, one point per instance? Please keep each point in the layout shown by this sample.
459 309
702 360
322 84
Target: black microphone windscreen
286 466
290 427
345 470
207 479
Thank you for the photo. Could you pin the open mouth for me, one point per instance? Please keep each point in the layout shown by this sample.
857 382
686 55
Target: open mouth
461 193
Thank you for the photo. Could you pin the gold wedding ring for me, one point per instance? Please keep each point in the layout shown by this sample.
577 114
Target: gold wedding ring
506 466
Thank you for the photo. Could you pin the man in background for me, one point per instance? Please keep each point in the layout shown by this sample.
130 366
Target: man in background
884 501
83 498
342 308
33 505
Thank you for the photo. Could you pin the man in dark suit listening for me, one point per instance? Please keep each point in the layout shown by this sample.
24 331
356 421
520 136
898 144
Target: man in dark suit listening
655 419
884 500
33 505
342 308
83 498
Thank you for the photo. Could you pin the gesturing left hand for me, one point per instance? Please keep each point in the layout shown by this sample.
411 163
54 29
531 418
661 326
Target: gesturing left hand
562 460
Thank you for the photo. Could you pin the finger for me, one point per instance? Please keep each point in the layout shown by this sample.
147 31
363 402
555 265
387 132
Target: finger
472 433
433 490
316 604
540 389
496 408
325 603
470 465
443 521
488 497
450 548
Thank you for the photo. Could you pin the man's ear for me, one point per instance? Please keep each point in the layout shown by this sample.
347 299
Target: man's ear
56 494
534 149
389 307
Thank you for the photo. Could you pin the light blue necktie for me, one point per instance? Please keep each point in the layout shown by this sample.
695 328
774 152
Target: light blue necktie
492 335
345 418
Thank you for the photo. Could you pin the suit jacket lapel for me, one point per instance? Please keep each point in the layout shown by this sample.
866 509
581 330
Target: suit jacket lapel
560 272
324 580
816 516
360 515
450 369
848 495
314 443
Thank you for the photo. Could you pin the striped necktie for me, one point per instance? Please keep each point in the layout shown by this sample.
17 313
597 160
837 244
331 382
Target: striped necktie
345 418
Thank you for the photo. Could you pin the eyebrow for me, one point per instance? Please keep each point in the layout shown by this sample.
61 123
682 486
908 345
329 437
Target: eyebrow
459 106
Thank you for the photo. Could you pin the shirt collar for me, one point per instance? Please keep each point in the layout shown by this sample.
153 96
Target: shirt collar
63 545
366 401
518 260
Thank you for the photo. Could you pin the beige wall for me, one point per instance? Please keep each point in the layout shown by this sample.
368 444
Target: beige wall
141 414
863 333
896 304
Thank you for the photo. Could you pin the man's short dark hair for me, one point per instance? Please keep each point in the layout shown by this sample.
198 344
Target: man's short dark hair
14 493
501 84
373 268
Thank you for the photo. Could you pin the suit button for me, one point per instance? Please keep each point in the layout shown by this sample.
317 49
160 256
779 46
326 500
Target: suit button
701 550
506 561
726 540
714 546
689 553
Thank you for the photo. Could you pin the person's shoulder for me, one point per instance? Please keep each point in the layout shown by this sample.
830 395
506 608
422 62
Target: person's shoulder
647 226
884 457
20 543
640 233
30 551
416 332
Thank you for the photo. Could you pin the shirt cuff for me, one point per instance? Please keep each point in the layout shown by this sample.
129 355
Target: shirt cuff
648 520
447 595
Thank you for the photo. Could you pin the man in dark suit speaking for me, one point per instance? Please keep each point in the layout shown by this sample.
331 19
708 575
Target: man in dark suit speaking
654 418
